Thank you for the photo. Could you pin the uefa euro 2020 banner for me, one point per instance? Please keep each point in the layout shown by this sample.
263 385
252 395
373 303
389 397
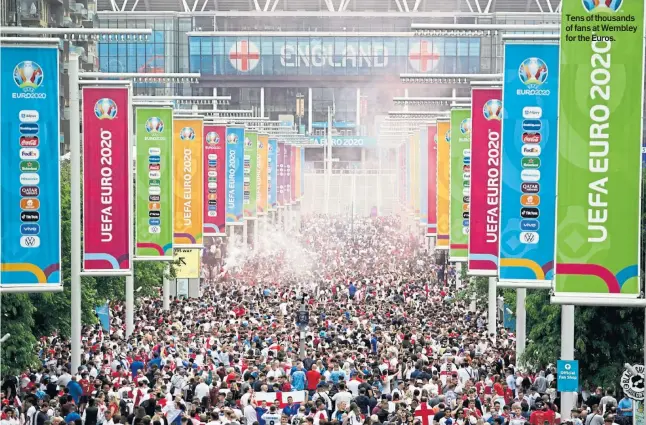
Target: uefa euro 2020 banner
262 188
188 148
272 174
431 197
30 229
154 182
530 100
107 229
422 154
214 169
235 174
600 135
460 183
484 197
250 172
443 186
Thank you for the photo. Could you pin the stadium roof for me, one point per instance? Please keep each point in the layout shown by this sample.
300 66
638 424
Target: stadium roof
365 8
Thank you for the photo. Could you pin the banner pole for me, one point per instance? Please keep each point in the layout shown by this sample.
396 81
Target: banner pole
166 289
567 353
521 322
130 304
491 308
75 195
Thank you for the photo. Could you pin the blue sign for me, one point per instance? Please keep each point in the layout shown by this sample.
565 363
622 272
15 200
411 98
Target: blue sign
315 55
346 141
273 173
30 231
567 375
103 314
235 174
423 178
528 188
508 318
120 55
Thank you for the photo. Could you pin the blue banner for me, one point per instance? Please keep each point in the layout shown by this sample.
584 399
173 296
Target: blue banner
315 55
567 375
423 178
302 172
273 173
528 190
30 213
103 314
235 174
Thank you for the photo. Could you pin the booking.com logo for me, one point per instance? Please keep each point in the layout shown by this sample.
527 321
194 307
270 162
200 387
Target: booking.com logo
602 6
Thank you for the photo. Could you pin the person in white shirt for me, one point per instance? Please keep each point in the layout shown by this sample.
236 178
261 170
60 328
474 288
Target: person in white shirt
272 417
342 396
353 385
250 414
201 390
215 418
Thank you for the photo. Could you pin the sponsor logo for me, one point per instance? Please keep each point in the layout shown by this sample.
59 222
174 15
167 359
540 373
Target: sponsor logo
29 141
492 110
465 199
212 157
465 230
213 179
154 151
154 206
529 212
28 116
528 237
465 192
603 6
105 109
465 215
212 185
529 225
155 159
531 150
154 214
211 213
29 216
466 183
212 196
531 137
213 189
154 182
154 221
154 190
533 72
212 205
212 174
466 153
29 241
530 200
530 175
466 176
28 75
187 134
29 178
466 168
447 136
154 167
465 207
530 187
466 160
154 125
29 229
465 223
213 163
532 125
29 203
154 229
247 142
465 126
532 112
530 162
29 153
154 198
154 175
29 166
29 191
212 138
28 128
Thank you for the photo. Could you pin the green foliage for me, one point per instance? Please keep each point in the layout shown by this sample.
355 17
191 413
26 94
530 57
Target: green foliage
27 316
478 285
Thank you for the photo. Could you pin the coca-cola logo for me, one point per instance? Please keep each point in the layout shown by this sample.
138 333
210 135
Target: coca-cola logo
531 137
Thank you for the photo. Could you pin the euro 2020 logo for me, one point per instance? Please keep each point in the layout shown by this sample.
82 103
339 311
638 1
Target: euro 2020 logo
447 136
232 138
212 138
602 6
533 72
247 142
465 126
492 110
187 134
28 75
154 125
105 109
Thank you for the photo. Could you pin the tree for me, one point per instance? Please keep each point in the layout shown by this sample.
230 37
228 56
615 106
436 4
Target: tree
18 352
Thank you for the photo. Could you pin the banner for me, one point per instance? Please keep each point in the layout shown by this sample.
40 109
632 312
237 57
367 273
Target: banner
103 314
288 174
214 168
402 175
431 182
443 189
262 192
414 176
188 146
422 154
301 165
527 193
272 173
30 217
153 203
294 173
107 229
599 164
281 173
460 183
235 174
484 197
187 263
250 186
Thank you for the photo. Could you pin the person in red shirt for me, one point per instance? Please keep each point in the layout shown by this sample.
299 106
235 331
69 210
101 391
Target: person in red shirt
313 377
542 414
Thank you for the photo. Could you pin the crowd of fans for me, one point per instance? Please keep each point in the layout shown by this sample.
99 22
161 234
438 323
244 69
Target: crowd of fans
389 341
